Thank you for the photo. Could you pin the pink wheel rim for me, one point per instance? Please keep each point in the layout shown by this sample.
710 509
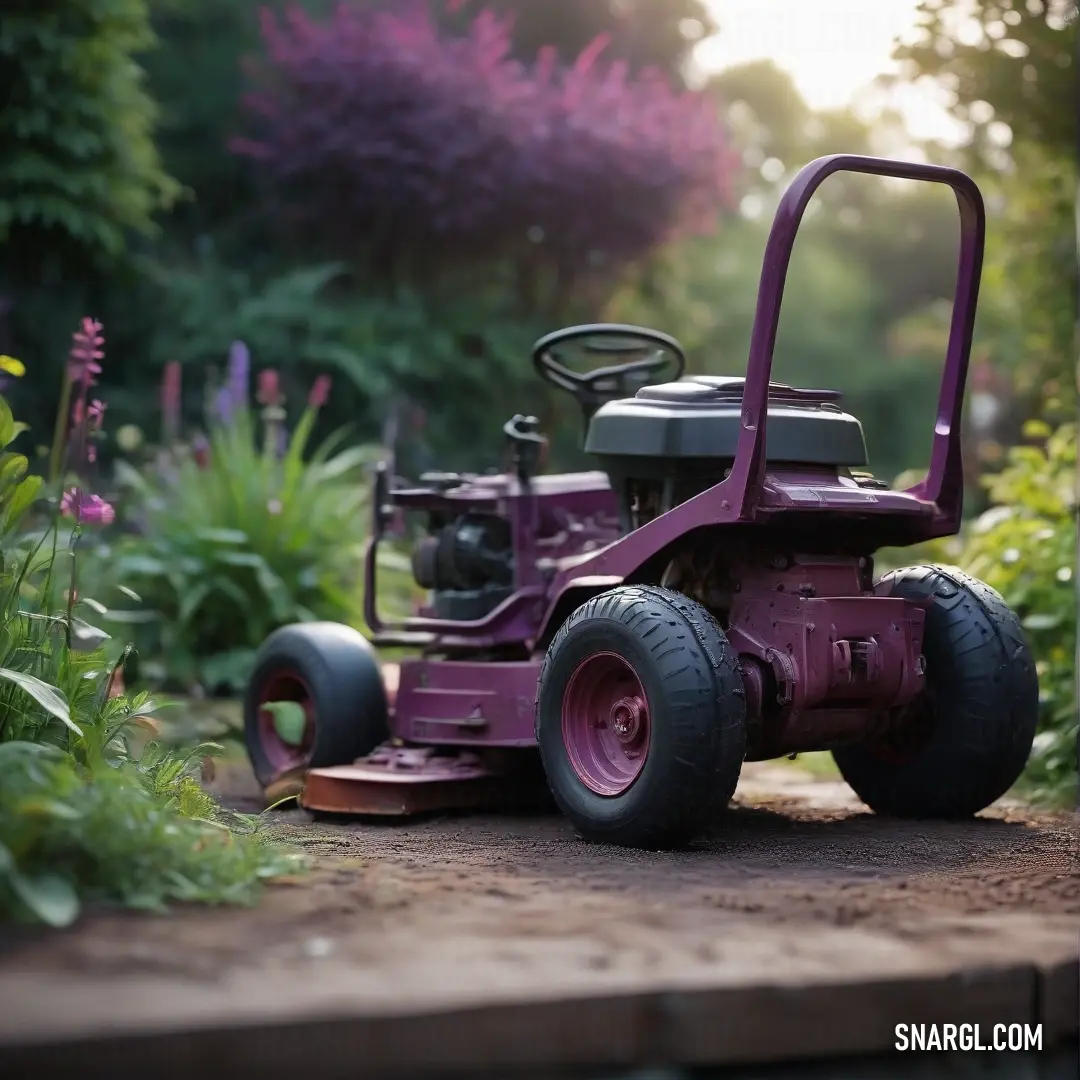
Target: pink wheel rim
605 723
285 685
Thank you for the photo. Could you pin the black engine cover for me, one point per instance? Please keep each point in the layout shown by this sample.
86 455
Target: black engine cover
695 422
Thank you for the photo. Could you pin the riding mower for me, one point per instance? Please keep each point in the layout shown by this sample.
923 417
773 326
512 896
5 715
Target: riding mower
706 597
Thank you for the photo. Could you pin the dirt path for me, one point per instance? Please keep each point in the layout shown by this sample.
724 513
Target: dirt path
798 883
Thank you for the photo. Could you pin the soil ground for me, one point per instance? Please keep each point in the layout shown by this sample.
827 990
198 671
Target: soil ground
797 883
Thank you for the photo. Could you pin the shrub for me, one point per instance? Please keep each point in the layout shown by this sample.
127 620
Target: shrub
239 532
1025 546
94 820
89 809
425 149
77 155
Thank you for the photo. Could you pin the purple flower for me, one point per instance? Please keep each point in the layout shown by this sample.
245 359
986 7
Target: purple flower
239 374
85 353
233 396
86 509
224 406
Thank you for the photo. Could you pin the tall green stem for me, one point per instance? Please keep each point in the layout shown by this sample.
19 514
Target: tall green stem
56 454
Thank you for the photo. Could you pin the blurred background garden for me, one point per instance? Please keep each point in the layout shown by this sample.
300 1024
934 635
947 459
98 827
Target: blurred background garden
304 231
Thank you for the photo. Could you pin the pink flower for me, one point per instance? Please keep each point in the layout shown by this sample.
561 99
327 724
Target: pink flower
269 390
320 392
85 353
86 509
200 451
170 398
95 414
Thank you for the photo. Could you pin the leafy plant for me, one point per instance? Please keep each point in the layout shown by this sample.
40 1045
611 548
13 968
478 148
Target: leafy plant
1025 547
96 822
89 810
240 532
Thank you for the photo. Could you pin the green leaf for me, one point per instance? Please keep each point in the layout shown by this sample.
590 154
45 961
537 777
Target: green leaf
290 720
86 638
221 536
241 558
49 897
1043 621
140 565
12 466
7 423
192 600
21 499
48 697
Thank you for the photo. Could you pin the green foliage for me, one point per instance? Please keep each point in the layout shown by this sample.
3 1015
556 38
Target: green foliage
463 358
1010 66
89 811
101 823
1025 547
238 541
1015 56
76 149
286 319
17 490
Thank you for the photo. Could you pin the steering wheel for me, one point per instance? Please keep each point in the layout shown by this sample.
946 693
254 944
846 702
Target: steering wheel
567 359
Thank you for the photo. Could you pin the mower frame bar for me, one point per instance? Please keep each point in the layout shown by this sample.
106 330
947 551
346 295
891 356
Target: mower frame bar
943 484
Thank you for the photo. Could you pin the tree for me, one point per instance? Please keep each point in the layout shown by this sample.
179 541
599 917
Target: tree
1011 68
415 152
1006 62
78 166
645 33
870 257
80 177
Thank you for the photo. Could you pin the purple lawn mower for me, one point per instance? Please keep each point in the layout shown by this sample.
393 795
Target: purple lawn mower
706 598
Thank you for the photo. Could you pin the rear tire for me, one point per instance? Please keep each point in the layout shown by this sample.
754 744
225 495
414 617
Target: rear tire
981 709
641 718
332 672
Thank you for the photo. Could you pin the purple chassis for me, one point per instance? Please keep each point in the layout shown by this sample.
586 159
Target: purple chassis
812 653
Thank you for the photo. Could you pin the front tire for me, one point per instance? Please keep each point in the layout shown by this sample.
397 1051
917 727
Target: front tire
641 718
331 671
978 718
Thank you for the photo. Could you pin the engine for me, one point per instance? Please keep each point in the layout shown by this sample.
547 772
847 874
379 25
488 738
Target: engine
672 441
467 564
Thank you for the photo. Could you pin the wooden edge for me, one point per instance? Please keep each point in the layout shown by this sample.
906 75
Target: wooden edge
682 1027
1059 999
842 1019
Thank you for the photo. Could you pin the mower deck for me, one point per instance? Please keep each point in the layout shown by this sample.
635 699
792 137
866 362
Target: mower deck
398 781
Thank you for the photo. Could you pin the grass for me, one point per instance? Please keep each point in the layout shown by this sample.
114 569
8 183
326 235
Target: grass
818 763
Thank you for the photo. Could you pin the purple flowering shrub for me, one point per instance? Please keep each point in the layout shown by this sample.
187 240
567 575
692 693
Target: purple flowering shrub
385 134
